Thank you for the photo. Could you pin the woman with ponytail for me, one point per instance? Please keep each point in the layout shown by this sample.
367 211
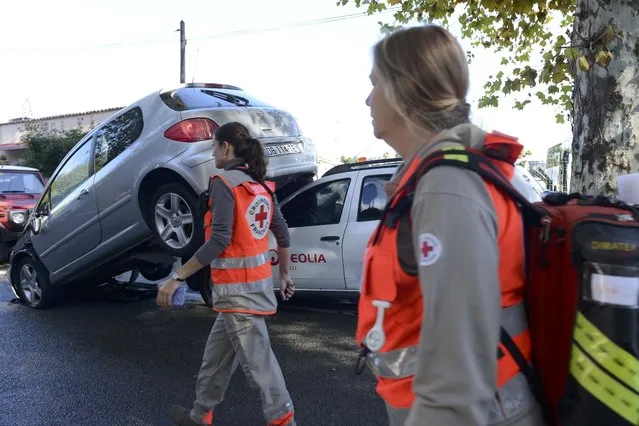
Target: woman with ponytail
242 209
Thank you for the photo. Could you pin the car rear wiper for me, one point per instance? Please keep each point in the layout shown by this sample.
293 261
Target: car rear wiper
234 99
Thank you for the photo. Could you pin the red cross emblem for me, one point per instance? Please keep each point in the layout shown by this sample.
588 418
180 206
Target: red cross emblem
431 249
261 216
426 249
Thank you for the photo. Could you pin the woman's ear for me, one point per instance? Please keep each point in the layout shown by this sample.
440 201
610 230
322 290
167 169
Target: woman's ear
228 149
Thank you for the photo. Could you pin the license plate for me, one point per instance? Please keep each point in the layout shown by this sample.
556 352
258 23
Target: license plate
275 150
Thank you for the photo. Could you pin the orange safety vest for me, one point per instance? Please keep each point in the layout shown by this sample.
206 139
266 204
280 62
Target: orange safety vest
386 283
241 274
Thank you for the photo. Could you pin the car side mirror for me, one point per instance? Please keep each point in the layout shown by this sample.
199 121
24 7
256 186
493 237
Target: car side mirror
36 224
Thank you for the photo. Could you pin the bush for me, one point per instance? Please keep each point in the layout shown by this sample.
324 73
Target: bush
46 146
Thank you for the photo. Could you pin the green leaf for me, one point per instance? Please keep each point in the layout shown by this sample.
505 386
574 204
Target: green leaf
584 65
560 118
541 96
525 57
521 105
603 58
561 40
571 53
559 76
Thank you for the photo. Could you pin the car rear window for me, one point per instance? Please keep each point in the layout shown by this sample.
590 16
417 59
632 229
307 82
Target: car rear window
20 183
189 98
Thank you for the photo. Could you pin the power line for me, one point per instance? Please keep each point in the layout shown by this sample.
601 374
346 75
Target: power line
293 25
221 35
365 148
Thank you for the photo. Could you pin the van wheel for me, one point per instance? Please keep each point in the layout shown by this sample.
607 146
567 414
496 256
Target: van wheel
175 221
31 283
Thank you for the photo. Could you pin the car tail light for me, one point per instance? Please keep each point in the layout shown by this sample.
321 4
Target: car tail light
192 130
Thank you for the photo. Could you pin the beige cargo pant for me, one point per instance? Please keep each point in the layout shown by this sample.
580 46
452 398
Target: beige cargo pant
241 339
396 416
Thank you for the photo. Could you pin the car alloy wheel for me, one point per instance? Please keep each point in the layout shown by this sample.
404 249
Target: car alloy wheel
30 285
174 221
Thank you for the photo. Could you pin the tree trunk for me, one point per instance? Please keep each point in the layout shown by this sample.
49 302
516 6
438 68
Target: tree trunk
606 100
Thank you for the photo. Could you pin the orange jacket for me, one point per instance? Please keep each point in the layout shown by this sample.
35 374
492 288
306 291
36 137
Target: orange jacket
241 275
385 280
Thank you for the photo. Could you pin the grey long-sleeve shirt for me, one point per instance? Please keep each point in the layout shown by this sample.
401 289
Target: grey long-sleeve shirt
456 376
223 209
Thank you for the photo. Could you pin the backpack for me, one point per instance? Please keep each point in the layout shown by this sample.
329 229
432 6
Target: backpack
581 296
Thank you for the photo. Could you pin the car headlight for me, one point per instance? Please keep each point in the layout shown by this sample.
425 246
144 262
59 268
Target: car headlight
18 217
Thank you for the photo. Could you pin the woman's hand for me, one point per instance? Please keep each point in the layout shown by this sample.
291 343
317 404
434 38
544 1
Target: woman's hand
287 287
165 293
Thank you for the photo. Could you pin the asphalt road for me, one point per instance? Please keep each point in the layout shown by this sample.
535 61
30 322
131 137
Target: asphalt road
120 360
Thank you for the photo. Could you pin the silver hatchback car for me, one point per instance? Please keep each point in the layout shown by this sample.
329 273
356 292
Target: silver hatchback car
127 196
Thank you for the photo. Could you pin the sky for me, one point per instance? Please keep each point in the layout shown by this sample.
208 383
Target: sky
72 56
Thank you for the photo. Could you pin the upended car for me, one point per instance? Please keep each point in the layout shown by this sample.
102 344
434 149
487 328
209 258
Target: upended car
126 197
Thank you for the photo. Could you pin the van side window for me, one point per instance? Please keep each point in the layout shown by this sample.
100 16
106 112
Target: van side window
116 136
320 205
372 199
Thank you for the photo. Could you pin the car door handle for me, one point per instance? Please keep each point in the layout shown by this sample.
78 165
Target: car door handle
83 193
330 238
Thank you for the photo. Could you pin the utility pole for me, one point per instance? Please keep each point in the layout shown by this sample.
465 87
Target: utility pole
182 51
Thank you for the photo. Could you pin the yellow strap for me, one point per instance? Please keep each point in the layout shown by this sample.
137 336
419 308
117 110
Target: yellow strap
603 387
457 157
603 350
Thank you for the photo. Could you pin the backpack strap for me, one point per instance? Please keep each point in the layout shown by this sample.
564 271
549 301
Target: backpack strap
203 199
248 172
204 196
527 370
475 161
469 159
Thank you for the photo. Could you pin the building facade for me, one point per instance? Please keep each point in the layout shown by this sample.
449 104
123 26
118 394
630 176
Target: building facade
12 146
558 166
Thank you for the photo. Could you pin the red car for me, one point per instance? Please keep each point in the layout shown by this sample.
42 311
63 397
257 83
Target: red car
20 189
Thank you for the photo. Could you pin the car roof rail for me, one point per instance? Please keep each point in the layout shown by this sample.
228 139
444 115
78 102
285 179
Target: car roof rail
347 167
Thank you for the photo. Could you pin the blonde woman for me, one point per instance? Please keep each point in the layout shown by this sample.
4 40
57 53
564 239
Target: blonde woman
443 273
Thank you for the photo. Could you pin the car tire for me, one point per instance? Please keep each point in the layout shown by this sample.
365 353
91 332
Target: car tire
31 282
175 220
